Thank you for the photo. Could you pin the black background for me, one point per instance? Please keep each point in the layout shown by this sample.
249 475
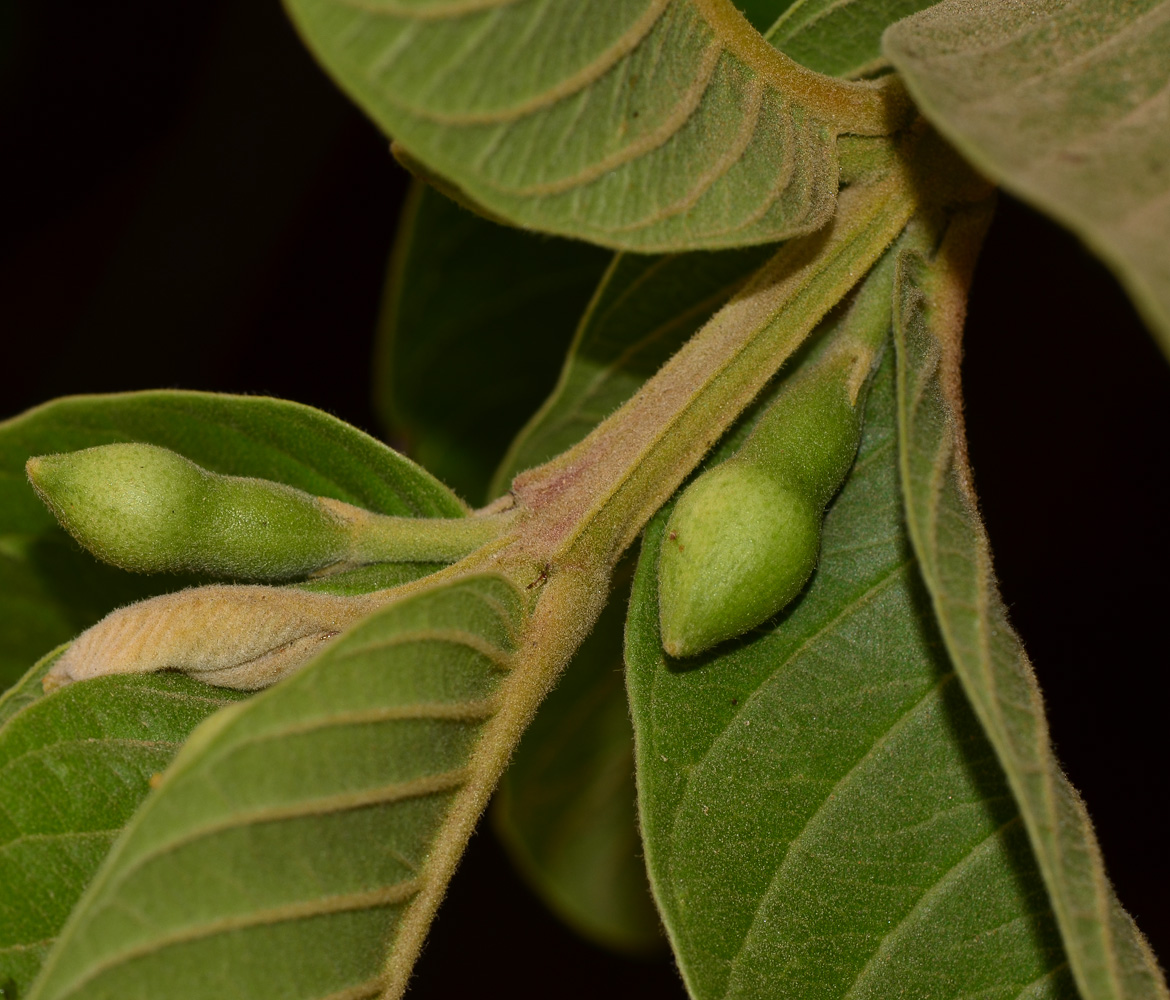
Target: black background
190 203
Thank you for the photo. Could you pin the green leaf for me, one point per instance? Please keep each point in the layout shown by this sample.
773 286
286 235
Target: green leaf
1108 955
50 590
28 689
84 733
644 310
822 814
648 125
306 833
839 38
565 806
472 333
74 766
1067 105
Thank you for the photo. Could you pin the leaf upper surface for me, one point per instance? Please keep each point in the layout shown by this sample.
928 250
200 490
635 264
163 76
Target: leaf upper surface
1067 104
822 814
638 124
1108 955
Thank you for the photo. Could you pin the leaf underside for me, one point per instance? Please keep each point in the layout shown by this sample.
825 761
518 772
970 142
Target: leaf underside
822 814
292 843
1108 955
1066 104
673 124
73 768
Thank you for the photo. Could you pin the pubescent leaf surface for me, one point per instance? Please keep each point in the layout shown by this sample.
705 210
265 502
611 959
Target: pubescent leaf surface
73 768
822 814
648 125
1108 955
50 589
1066 104
838 37
473 329
299 843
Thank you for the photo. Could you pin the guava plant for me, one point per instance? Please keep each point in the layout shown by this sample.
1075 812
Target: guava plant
255 775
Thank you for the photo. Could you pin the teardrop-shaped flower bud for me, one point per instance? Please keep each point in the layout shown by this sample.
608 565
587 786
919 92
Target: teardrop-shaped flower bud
150 510
739 546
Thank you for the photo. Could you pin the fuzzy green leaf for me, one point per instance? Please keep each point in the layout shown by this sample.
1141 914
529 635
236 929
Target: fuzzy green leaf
73 768
301 840
99 715
50 590
474 327
1109 957
565 806
28 689
838 37
674 125
822 814
1067 105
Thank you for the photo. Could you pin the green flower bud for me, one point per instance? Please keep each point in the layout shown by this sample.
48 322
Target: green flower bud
809 435
147 509
744 537
739 546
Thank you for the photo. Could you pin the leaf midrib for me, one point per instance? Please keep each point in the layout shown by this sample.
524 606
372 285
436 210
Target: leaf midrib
604 373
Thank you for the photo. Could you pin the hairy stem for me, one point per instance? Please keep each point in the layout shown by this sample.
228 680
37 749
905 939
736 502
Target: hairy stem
384 538
587 505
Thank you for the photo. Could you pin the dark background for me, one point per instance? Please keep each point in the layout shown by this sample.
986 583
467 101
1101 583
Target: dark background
191 204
